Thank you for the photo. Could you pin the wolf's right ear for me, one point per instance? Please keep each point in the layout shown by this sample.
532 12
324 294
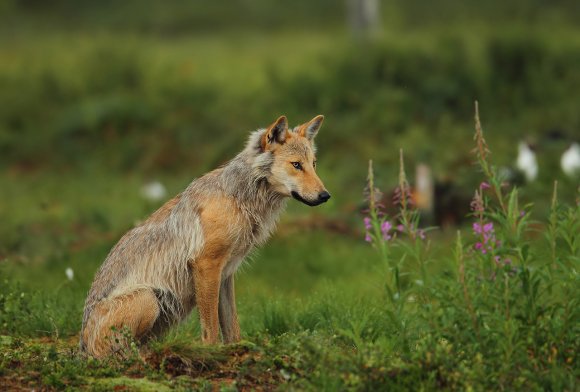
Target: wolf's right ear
276 133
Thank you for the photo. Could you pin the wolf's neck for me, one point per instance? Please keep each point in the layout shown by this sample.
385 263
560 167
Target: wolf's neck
240 180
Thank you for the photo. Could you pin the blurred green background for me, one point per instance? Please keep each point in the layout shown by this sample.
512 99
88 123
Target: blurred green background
99 98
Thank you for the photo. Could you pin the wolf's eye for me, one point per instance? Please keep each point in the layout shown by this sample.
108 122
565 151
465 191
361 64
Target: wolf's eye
296 165
314 164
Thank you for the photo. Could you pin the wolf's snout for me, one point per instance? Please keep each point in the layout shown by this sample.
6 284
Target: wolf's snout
323 196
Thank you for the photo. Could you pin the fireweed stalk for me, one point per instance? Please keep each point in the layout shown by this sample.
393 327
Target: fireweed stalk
484 231
382 234
408 219
378 229
499 231
402 199
551 232
482 152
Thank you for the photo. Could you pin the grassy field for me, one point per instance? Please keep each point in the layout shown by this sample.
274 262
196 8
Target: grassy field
97 101
400 311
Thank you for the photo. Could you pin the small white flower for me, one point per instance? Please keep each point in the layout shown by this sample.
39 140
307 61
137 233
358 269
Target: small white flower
70 274
285 374
153 191
527 162
570 160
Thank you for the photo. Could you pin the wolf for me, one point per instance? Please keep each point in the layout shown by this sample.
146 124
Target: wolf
186 253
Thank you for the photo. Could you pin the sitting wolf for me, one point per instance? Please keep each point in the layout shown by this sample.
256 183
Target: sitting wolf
186 253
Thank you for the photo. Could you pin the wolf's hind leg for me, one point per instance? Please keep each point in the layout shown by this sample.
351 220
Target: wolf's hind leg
135 311
227 312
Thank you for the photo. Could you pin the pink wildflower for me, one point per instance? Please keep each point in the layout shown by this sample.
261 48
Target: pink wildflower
386 226
367 222
486 232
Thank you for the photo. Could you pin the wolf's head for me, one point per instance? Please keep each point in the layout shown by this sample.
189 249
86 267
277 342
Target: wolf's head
286 159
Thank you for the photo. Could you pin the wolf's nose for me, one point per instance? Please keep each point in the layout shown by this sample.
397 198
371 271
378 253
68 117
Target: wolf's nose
323 196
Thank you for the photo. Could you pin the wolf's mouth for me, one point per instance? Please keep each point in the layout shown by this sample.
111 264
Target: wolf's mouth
297 196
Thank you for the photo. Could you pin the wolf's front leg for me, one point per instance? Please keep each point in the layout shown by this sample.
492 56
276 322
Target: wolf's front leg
227 312
207 275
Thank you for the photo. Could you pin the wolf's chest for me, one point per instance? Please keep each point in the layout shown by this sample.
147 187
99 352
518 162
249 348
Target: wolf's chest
254 234
232 266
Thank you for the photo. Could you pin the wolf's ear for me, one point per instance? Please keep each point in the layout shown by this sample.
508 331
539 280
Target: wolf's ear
310 129
276 133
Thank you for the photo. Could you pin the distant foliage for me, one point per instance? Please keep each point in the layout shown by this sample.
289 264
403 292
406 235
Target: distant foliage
105 103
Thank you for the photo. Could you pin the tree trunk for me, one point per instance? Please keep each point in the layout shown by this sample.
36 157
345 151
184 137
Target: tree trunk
363 17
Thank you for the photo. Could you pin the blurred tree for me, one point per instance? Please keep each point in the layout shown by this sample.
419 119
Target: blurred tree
364 17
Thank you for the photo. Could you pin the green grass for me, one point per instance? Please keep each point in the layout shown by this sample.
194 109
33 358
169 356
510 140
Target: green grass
426 314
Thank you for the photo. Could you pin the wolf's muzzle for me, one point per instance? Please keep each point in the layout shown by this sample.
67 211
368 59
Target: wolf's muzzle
322 198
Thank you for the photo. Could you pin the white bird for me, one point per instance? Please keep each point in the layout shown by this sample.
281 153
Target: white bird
527 162
70 274
153 191
570 161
